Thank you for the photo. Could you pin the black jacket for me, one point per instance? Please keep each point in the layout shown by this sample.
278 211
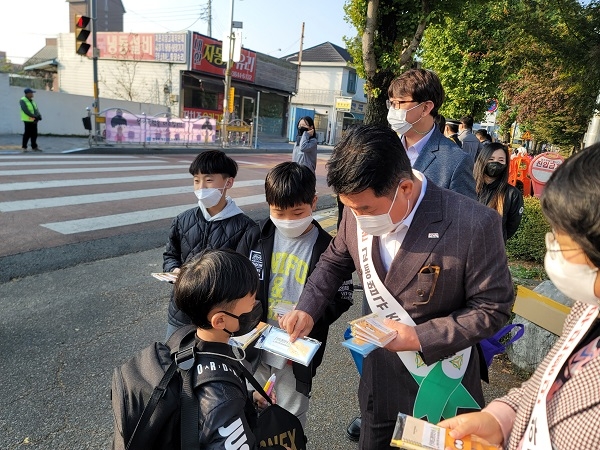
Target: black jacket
260 241
512 210
190 234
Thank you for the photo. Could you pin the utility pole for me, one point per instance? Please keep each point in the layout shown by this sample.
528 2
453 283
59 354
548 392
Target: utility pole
300 59
209 8
226 99
95 66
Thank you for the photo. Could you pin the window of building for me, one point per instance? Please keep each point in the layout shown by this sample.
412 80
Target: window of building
351 83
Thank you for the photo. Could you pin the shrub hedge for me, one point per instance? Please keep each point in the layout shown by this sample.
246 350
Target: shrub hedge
529 241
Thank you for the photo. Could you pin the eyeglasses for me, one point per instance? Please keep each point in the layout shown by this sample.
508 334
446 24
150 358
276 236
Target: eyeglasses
396 103
553 247
429 269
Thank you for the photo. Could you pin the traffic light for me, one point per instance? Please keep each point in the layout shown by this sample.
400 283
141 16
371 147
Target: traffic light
231 100
82 32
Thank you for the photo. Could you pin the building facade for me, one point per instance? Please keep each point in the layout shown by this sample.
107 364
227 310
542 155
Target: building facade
329 89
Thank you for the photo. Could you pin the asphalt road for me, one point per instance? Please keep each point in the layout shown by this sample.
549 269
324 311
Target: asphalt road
64 331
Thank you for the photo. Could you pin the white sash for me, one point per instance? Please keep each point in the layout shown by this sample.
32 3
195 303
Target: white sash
537 435
386 306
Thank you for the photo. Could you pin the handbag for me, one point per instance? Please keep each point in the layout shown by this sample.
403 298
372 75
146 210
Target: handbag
492 346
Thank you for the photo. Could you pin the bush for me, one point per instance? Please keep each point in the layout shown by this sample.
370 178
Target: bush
529 242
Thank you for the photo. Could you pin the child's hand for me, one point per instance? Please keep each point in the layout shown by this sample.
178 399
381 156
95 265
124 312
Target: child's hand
260 401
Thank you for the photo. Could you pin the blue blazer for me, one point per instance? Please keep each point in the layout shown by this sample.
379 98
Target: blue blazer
444 163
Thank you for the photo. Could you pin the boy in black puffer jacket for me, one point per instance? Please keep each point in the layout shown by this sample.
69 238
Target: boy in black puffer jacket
217 222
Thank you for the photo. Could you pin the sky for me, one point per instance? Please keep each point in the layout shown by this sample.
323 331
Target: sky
269 26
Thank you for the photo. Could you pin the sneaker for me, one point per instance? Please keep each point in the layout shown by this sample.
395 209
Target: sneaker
24 149
37 149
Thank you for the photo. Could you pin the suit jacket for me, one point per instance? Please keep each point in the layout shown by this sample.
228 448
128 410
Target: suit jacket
443 162
574 417
470 143
472 299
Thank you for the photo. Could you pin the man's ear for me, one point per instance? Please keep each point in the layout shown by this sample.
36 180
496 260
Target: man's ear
229 182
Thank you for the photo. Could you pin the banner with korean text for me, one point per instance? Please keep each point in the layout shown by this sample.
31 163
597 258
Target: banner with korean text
207 57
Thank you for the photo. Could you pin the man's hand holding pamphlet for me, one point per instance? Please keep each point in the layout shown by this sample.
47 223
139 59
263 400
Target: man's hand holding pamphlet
277 341
368 333
411 433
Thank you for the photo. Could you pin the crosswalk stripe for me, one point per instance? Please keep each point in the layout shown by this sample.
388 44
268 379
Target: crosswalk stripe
83 162
53 202
26 185
95 169
119 220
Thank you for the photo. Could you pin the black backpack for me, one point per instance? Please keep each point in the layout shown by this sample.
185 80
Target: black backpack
154 406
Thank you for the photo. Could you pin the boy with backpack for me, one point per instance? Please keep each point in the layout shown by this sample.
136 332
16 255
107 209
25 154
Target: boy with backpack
216 291
285 249
217 222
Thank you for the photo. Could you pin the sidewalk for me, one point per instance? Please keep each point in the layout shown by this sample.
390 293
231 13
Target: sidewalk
10 144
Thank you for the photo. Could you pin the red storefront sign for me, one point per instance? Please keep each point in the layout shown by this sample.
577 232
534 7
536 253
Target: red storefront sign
207 57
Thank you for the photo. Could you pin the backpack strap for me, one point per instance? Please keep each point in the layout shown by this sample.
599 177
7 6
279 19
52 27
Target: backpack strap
182 360
255 384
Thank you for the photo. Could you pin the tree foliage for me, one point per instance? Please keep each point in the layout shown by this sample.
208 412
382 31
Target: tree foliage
389 33
467 52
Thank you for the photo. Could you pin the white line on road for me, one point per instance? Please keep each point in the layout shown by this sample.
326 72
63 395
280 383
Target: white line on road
94 170
84 162
119 220
54 202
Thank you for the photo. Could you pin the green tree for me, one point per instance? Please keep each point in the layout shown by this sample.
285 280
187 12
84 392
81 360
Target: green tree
389 33
467 54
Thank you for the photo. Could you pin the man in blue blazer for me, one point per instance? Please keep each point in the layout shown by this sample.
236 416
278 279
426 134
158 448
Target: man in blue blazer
414 100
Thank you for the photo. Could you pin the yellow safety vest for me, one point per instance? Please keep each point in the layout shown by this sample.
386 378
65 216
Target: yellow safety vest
31 106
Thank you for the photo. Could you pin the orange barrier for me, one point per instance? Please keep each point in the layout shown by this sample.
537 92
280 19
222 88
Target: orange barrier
519 171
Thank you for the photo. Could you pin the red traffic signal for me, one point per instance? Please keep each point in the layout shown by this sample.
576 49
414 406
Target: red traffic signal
82 32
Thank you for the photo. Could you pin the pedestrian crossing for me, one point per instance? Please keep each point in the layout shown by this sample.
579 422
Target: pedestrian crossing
48 200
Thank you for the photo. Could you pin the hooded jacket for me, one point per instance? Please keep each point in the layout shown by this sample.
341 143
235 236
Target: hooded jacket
259 242
191 232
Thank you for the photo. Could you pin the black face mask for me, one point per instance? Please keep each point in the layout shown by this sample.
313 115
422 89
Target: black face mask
248 321
301 130
494 169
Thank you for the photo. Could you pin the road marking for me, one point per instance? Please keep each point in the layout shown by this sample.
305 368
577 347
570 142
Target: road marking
83 162
120 220
55 202
95 169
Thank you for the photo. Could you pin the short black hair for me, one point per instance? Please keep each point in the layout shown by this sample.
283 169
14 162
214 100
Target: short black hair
467 122
290 184
571 200
368 156
214 278
483 133
452 126
214 162
420 84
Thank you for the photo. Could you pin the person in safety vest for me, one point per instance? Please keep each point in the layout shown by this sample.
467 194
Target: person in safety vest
30 115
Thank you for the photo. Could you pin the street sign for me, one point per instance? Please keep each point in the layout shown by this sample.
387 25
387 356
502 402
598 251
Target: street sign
540 169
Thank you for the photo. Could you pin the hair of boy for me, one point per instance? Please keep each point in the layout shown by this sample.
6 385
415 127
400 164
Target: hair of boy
368 156
421 85
213 278
214 162
467 122
482 132
290 184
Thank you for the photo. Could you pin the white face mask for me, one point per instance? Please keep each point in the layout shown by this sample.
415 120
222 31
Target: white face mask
381 223
292 228
576 281
208 197
397 119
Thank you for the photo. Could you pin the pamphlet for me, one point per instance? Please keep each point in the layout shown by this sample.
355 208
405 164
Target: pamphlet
411 433
247 339
277 341
281 309
371 328
170 277
360 346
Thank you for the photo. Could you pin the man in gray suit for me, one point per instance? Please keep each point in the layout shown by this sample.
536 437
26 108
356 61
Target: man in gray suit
414 100
433 264
470 143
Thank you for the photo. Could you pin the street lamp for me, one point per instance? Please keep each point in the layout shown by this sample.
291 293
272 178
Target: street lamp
230 54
